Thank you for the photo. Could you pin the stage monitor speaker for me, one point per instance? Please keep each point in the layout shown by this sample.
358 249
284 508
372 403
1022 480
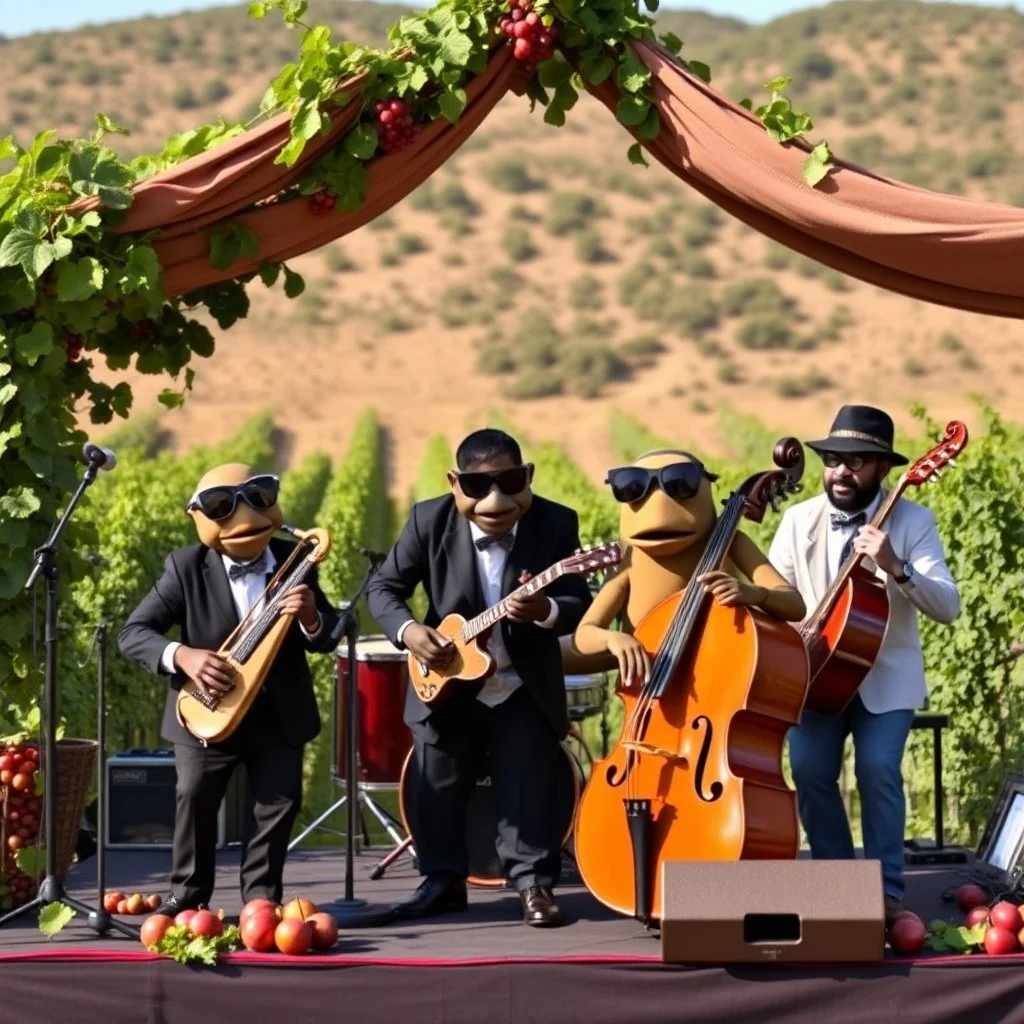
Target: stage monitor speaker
140 802
754 911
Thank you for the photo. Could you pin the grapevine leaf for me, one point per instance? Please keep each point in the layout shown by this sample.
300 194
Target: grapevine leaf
633 73
818 164
651 5
566 97
746 103
37 342
672 43
18 249
597 69
636 155
651 126
19 503
291 151
269 273
307 121
258 10
9 148
142 272
361 142
105 126
631 111
554 73
29 861
77 281
536 93
700 69
170 398
554 114
452 104
198 338
294 285
776 85
54 917
455 48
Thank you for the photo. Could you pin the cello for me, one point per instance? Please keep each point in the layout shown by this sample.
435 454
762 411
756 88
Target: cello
697 771
845 632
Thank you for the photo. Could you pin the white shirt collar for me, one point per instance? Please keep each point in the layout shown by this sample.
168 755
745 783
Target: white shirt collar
476 533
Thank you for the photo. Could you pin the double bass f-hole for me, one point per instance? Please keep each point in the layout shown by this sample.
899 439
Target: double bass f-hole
702 762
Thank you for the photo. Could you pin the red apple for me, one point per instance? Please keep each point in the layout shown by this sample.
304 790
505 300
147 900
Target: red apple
979 915
907 935
260 906
324 928
136 903
154 928
999 941
258 931
1006 915
185 916
204 923
153 901
970 896
293 936
299 909
122 907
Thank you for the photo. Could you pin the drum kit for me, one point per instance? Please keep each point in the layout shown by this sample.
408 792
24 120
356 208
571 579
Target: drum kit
384 759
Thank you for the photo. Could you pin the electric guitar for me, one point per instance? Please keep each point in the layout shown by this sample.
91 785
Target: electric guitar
471 661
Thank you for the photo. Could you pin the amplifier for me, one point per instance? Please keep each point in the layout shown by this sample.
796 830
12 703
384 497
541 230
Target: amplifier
140 802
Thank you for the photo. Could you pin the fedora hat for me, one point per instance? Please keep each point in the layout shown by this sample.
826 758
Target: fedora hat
861 430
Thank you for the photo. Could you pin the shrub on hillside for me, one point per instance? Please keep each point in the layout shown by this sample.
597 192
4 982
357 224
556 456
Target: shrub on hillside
755 295
800 387
586 369
811 63
642 349
535 384
590 248
988 163
511 174
569 212
215 90
183 98
765 332
337 260
585 293
517 244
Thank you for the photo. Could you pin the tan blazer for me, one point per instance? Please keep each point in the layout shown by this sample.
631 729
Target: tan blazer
798 551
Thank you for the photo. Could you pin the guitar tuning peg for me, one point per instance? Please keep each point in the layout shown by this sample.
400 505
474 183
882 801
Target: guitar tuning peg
951 463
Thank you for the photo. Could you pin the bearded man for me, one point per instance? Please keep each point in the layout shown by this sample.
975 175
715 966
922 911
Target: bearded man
814 540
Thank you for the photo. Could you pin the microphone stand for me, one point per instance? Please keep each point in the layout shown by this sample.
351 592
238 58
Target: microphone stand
51 889
349 911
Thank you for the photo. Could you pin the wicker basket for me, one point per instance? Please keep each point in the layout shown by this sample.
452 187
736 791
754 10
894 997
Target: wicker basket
76 771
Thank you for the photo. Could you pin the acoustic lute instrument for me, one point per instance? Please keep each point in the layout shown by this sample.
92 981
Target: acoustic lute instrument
844 633
471 661
252 647
697 772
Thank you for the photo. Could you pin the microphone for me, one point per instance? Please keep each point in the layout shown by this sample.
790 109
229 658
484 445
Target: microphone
373 557
94 455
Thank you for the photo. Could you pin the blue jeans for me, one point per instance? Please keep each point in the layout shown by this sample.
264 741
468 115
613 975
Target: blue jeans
816 756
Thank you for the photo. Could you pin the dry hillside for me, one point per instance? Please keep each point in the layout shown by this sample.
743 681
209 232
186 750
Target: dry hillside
540 274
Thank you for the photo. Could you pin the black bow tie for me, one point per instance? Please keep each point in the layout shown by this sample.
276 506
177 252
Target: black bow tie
239 570
500 540
840 520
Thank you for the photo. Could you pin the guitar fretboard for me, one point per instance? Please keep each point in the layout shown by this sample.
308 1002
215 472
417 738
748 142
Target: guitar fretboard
495 613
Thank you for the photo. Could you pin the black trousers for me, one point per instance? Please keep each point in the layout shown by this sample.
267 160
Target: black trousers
274 770
525 757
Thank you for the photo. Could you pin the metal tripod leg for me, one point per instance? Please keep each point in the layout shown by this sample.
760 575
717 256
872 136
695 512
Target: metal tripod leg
312 826
386 820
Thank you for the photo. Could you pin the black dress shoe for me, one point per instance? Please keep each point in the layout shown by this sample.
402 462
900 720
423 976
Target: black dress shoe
433 897
172 906
540 908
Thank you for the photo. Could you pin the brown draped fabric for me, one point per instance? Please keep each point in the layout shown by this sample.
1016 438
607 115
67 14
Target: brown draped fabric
941 248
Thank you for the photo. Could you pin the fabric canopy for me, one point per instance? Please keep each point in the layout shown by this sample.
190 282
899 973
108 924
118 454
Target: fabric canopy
941 248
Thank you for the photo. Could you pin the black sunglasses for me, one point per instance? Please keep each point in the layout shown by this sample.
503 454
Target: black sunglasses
508 481
851 462
679 480
258 492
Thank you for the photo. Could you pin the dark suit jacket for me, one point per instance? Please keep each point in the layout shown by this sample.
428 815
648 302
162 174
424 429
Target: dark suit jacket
436 549
194 593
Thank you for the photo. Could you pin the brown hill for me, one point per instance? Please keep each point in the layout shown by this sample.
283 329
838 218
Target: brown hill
540 274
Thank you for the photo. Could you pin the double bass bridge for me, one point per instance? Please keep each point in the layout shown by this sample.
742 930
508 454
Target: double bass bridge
649 748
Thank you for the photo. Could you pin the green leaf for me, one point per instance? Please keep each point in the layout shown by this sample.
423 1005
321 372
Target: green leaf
776 85
258 10
19 503
290 151
746 103
198 338
700 69
361 142
294 285
597 69
818 164
269 273
7 392
633 74
455 48
631 111
142 272
38 342
30 861
170 398
566 97
104 126
54 917
307 121
672 43
9 148
77 281
636 155
18 249
452 104
554 73
651 127
651 5
554 114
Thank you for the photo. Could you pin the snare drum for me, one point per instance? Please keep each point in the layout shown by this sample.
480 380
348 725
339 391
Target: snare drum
382 676
584 695
482 816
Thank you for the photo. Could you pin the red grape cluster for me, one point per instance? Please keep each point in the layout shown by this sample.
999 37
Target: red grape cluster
395 125
73 345
323 202
20 820
533 41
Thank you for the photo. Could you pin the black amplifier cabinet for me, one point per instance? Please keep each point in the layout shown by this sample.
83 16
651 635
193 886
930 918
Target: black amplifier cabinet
140 802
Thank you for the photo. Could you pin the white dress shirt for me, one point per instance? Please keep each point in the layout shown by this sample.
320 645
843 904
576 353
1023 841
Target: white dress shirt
245 592
490 565
837 538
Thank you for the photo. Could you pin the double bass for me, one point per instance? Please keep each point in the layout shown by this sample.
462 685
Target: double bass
845 632
697 771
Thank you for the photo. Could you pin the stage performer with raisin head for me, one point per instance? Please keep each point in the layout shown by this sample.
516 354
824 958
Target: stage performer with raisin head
470 549
205 591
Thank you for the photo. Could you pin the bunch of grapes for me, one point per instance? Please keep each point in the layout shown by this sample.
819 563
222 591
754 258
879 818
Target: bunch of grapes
533 42
20 807
323 202
395 126
73 345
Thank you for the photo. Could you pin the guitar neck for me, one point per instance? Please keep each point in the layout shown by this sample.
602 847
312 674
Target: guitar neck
497 612
878 521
